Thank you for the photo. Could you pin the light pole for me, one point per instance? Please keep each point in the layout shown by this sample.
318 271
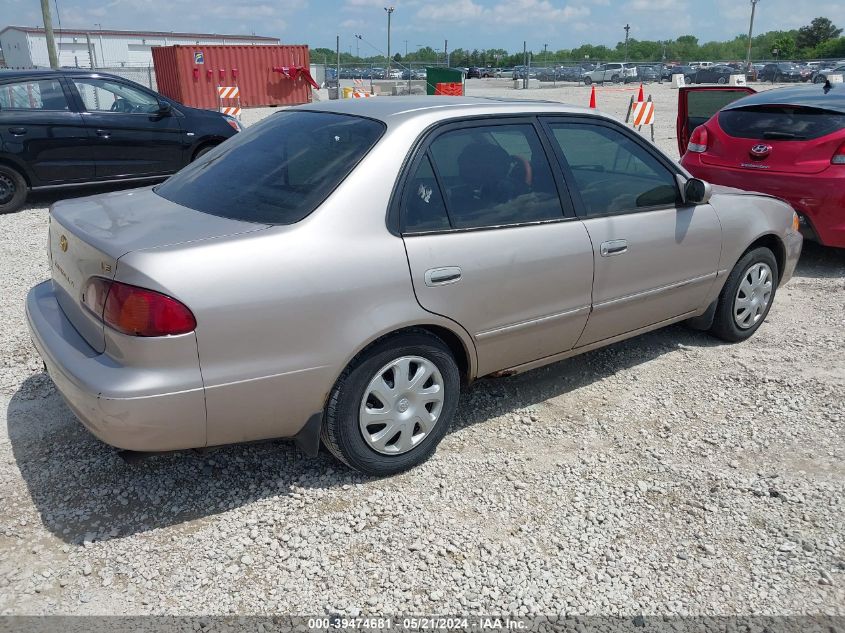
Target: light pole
750 32
389 11
627 28
357 50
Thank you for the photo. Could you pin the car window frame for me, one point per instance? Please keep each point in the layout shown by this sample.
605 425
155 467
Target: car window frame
396 207
69 97
580 210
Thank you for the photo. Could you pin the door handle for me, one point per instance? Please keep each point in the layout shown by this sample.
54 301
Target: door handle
104 133
17 131
442 276
613 247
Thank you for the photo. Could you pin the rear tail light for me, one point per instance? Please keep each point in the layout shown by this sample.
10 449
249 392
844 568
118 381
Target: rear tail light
839 156
137 311
698 140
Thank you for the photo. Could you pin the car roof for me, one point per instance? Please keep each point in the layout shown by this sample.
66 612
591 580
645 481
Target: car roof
813 96
8 73
393 110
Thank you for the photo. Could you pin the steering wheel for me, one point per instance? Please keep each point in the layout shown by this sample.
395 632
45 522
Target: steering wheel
121 105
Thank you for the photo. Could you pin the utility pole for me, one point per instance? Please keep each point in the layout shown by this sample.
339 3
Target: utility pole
525 64
545 55
446 52
627 28
750 32
337 76
48 32
357 51
390 11
406 48
91 60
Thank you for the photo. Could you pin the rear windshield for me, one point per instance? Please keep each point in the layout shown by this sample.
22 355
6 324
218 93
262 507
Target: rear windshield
278 171
779 122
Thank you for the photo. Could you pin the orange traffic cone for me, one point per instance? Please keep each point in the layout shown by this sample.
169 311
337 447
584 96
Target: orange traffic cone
593 98
641 97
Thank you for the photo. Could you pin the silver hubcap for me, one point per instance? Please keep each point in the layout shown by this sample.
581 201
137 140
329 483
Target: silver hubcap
401 405
753 296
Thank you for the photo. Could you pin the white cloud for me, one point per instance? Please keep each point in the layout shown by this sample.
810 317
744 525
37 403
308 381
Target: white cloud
457 11
541 12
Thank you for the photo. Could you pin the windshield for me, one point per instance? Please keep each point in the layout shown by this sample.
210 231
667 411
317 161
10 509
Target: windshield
278 171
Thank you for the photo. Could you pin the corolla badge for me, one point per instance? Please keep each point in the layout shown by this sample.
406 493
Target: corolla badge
761 150
63 243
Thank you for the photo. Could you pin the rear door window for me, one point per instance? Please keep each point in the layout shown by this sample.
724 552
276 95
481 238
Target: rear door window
277 171
780 122
34 94
495 175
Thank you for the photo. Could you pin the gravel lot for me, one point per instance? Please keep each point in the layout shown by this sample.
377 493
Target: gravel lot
670 474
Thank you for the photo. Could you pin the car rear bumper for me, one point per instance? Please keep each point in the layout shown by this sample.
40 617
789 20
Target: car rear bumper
819 198
88 381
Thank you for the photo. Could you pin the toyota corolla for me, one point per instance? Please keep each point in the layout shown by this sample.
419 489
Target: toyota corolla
339 271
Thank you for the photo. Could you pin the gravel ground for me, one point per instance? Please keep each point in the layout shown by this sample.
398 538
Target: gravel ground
670 474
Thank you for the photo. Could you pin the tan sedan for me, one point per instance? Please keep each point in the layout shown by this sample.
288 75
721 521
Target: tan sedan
339 270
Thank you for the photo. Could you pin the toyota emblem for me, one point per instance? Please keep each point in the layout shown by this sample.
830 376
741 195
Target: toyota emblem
761 150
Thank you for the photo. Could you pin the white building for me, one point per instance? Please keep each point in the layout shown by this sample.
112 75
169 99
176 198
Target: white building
25 47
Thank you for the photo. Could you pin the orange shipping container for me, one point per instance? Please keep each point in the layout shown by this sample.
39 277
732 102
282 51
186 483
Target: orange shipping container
191 74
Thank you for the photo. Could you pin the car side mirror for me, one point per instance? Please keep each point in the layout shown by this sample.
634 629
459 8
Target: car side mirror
164 107
696 191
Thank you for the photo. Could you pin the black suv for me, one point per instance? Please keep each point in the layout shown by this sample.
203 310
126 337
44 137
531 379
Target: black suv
72 127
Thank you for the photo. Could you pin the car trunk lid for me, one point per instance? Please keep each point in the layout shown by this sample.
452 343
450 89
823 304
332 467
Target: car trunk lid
88 236
776 138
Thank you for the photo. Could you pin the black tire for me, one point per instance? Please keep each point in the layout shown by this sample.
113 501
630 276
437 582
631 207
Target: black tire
722 80
205 149
340 430
615 79
724 324
13 189
588 81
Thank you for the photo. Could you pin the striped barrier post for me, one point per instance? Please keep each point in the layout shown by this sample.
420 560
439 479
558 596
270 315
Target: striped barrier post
229 93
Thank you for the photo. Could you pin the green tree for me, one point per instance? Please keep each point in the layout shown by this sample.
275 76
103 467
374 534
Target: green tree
830 49
817 32
785 47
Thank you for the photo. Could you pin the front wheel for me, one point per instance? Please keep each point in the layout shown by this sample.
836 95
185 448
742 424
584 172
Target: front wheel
615 79
392 406
747 296
588 81
722 80
12 190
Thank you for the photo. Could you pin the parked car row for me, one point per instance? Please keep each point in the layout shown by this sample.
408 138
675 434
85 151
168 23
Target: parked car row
75 127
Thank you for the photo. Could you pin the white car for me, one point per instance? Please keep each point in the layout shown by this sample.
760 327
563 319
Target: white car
614 71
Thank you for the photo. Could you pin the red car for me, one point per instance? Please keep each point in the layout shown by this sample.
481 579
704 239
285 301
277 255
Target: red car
787 142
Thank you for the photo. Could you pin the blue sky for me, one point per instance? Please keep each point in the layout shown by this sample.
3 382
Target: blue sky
466 23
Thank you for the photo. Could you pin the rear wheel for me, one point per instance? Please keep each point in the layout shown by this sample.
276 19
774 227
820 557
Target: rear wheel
13 190
615 79
205 149
722 80
392 406
747 297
